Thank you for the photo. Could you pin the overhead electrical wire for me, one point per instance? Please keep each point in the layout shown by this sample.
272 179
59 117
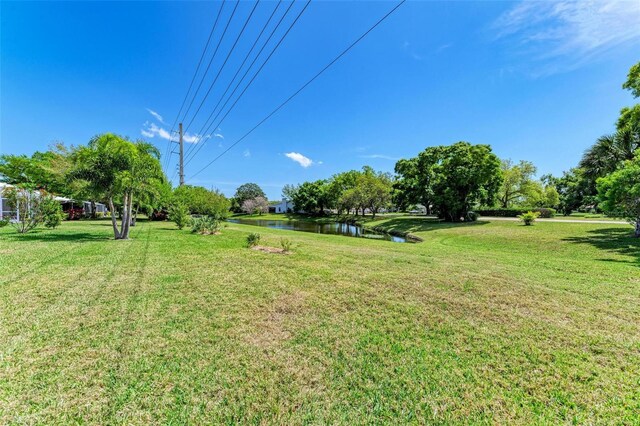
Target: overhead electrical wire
233 12
266 42
200 145
204 51
302 87
223 64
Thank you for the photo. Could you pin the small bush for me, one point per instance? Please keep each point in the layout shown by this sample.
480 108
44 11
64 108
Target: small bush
3 223
285 243
205 225
180 215
529 217
253 239
51 212
472 217
515 212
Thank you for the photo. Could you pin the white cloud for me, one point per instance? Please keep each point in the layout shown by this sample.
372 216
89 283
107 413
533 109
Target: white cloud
246 153
151 130
379 156
218 135
300 159
561 36
156 115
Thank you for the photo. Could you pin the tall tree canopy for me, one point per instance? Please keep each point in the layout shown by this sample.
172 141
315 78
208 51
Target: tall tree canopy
517 183
43 170
245 192
453 178
619 193
119 171
312 197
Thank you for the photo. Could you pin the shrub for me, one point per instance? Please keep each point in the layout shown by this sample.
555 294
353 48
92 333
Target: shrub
3 223
180 215
515 212
529 217
51 212
285 243
472 217
205 225
253 239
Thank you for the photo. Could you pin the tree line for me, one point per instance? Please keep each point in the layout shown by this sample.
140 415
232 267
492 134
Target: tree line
450 181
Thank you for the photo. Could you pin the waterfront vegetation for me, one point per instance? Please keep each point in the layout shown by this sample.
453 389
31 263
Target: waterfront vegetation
490 322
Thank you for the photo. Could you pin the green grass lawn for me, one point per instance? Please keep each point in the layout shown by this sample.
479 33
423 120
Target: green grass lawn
490 322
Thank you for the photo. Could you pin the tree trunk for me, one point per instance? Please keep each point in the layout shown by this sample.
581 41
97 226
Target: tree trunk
93 210
114 221
126 219
637 233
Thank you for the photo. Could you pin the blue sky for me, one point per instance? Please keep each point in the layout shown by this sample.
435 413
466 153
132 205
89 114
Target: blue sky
537 80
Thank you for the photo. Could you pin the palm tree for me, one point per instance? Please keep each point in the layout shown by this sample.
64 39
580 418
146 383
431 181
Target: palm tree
610 152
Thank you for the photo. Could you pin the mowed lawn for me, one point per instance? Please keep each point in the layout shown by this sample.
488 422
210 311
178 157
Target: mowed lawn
491 322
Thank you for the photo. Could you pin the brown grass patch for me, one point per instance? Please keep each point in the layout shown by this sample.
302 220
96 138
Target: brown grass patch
272 328
270 249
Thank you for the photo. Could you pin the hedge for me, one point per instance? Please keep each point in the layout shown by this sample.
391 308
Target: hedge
515 212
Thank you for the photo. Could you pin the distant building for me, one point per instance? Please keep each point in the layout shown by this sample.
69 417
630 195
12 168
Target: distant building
284 206
5 213
73 209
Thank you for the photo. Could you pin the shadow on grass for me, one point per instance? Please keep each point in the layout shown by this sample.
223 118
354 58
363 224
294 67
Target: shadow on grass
422 224
52 236
613 240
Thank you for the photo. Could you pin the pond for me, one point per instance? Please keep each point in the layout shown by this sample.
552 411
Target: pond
334 228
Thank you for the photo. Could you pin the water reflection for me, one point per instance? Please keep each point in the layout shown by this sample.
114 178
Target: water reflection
320 228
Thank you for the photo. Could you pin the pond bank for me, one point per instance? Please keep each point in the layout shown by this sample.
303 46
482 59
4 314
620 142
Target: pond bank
349 220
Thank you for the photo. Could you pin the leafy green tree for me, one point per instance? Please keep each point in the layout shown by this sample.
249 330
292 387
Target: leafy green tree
179 214
453 178
337 185
633 81
311 197
517 182
619 193
539 194
372 191
573 188
415 181
51 211
202 201
465 175
247 191
119 170
289 191
43 170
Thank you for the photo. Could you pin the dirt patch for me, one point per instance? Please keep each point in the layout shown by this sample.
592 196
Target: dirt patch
6 251
270 249
272 328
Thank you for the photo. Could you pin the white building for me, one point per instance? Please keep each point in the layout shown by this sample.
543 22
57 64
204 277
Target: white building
283 206
5 213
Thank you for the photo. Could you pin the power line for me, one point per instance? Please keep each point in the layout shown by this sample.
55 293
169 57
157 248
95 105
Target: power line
303 86
206 123
224 63
211 60
204 51
199 147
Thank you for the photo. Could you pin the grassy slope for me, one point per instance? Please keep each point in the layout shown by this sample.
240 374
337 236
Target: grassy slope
488 322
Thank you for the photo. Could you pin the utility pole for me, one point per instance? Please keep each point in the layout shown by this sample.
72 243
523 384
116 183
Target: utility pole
181 157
